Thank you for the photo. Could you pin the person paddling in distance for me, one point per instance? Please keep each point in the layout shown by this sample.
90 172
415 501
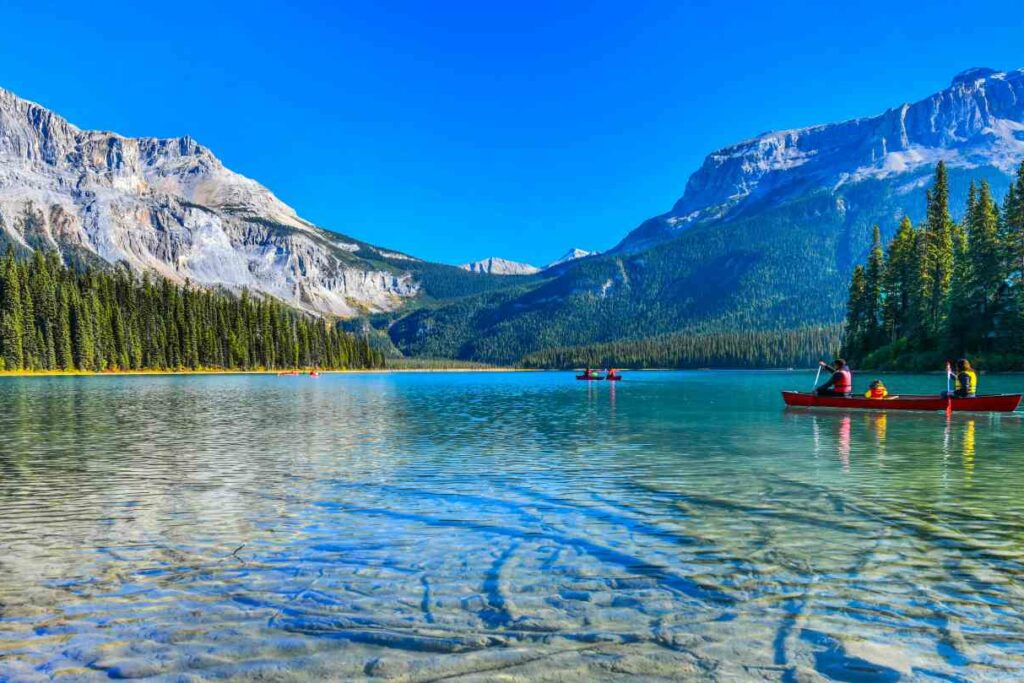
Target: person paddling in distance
841 381
966 381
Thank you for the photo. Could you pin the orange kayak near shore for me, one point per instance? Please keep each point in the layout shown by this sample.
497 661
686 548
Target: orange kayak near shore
995 403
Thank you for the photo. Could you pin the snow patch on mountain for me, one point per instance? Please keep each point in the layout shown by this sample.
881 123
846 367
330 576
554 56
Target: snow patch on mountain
395 255
571 255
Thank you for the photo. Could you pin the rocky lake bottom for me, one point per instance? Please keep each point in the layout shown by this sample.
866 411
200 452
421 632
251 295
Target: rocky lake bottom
523 526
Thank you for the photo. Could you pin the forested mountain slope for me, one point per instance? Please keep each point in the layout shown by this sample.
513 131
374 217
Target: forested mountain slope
765 236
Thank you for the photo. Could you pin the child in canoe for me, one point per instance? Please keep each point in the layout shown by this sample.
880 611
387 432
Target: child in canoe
876 390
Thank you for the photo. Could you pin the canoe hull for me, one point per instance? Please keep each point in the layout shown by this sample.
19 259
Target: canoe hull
997 403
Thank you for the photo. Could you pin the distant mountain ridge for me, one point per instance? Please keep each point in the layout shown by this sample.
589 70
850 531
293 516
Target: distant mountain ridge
495 265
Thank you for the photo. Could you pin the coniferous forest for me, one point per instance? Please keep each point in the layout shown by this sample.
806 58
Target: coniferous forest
53 317
944 289
742 350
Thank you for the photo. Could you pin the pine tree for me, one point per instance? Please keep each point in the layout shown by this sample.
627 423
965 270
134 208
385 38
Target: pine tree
987 262
82 343
961 319
873 288
855 337
44 294
916 323
11 315
64 344
899 279
1013 226
938 265
30 337
1012 233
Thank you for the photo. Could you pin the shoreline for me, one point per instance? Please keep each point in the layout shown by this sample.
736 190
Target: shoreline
389 371
281 373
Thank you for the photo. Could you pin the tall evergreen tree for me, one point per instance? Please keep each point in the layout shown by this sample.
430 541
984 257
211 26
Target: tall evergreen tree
65 351
874 277
937 273
1012 233
30 334
917 322
1013 226
11 315
960 320
856 322
899 280
986 259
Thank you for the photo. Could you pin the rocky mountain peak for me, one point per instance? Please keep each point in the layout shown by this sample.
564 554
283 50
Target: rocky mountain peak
977 122
169 206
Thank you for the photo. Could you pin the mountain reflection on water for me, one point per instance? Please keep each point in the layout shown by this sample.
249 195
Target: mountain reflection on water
525 525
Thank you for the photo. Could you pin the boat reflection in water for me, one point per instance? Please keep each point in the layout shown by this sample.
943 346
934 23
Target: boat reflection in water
968 449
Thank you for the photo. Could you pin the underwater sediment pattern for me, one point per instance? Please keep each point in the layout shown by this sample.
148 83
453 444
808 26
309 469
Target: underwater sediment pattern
523 526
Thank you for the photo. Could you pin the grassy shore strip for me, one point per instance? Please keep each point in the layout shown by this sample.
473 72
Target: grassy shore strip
303 371
406 370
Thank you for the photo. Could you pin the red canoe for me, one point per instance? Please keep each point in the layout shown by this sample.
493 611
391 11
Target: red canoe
996 403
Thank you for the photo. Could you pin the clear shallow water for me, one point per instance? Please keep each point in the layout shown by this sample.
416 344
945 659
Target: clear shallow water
513 526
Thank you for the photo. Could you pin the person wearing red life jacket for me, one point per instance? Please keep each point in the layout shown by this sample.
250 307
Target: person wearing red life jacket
841 381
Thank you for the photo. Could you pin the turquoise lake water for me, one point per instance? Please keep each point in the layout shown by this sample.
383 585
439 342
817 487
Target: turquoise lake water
520 526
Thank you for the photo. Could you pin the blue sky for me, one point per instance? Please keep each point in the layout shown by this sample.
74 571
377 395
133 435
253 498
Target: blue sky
459 130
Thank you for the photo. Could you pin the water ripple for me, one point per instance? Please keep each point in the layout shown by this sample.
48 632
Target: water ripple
426 527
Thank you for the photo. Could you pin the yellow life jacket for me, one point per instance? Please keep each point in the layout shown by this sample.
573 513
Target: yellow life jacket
972 381
876 392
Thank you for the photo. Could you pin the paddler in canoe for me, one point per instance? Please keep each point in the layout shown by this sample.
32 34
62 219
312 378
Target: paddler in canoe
966 380
841 381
